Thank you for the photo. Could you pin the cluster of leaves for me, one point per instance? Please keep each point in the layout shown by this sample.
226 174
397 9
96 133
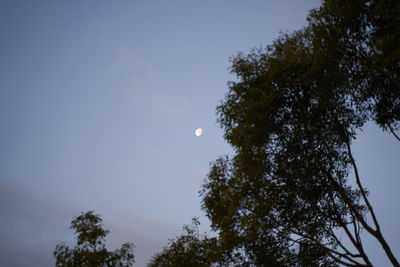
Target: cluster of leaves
190 249
297 105
90 249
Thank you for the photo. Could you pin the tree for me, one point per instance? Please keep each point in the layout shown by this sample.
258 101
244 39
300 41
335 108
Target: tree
291 195
90 249
293 187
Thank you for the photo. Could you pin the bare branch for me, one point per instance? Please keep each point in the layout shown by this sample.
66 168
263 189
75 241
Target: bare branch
378 234
393 132
343 262
343 247
363 193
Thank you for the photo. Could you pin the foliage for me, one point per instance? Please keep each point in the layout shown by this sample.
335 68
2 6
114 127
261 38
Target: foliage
292 188
291 117
189 249
90 249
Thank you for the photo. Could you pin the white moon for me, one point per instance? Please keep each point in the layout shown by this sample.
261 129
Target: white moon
198 131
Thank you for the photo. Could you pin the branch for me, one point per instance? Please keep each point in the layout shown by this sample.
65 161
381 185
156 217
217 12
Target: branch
378 234
393 132
343 262
343 247
347 257
346 199
339 220
355 240
361 187
329 250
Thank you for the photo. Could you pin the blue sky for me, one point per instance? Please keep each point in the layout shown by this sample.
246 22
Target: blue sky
99 101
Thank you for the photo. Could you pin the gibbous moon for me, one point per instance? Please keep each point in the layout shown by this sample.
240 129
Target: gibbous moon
198 131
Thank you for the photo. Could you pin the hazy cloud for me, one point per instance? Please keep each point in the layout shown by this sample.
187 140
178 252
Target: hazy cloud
31 226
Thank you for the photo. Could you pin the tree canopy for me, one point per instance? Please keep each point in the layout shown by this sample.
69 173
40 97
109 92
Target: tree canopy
90 249
190 249
292 188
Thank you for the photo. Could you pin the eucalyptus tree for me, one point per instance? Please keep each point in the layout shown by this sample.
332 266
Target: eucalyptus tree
90 249
292 194
292 187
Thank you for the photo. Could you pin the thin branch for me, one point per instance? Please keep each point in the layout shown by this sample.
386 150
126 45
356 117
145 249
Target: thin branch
364 195
378 234
347 257
357 243
356 230
339 220
343 262
346 199
354 211
343 247
329 250
393 132
356 225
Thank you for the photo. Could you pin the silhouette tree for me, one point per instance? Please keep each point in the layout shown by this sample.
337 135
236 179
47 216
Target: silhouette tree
291 117
90 249
292 195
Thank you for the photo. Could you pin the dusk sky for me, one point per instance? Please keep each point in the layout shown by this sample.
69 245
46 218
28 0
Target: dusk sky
99 101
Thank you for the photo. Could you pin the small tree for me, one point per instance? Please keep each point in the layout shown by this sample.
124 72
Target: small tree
90 249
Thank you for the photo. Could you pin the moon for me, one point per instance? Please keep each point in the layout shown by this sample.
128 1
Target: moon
198 131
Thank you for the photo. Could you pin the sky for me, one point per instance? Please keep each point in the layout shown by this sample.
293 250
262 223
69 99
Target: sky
99 101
